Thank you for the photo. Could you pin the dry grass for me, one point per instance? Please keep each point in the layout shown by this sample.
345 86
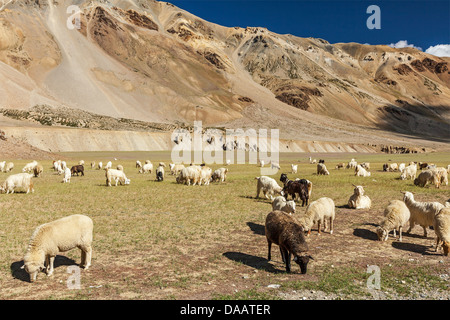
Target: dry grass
161 240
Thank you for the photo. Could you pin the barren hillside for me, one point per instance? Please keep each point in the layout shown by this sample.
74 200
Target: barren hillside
151 62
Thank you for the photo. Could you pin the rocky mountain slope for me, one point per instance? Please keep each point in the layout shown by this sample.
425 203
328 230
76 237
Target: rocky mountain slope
150 61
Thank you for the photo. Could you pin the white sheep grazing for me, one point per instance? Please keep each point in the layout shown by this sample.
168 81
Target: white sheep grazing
396 216
61 235
322 169
361 172
409 172
138 164
392 167
219 175
443 175
358 200
189 175
268 186
319 212
2 166
29 167
294 168
428 176
401 166
275 165
422 213
17 181
280 203
148 167
108 165
117 175
442 229
67 175
8 167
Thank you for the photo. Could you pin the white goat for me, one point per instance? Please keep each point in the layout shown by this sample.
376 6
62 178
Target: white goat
17 181
280 203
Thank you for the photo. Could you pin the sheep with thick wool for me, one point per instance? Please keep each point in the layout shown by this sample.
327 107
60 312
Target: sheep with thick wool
118 176
29 167
219 175
361 172
281 204
443 175
268 186
146 168
442 229
17 181
188 175
205 175
396 216
283 230
358 200
322 169
409 172
422 213
428 176
38 170
8 167
352 164
47 240
318 211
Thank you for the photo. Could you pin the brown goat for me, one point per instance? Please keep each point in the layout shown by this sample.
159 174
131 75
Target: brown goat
283 230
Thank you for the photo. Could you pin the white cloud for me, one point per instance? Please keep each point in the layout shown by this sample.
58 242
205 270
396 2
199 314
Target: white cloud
440 50
403 44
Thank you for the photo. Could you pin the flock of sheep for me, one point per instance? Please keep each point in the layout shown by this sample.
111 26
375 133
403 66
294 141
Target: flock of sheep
288 231
282 227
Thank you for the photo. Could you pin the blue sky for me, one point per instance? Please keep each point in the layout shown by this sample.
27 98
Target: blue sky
421 23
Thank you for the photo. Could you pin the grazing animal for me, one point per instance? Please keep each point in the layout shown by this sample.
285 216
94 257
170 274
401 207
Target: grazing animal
75 231
77 169
268 186
189 175
37 170
17 181
319 212
409 172
219 175
340 165
283 230
396 216
117 175
300 187
322 169
428 176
